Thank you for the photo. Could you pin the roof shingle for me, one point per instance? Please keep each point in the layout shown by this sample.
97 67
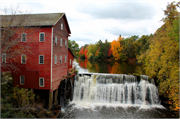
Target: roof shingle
48 19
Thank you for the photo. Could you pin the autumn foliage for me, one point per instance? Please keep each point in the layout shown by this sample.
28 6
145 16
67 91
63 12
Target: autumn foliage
109 52
116 48
159 52
97 52
83 52
162 58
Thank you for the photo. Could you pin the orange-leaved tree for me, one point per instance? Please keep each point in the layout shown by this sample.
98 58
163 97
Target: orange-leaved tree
116 48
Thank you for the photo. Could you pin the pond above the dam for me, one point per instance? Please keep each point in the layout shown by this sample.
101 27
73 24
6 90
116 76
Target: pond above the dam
110 67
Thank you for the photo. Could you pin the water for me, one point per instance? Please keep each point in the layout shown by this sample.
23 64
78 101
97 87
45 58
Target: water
110 67
116 89
115 96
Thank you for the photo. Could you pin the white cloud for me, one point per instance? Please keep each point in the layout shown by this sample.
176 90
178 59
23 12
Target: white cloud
93 20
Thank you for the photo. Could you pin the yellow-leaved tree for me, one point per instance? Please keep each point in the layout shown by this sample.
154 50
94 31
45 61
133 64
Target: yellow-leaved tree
162 58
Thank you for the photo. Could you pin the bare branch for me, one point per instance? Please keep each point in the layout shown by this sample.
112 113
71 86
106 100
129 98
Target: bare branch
11 29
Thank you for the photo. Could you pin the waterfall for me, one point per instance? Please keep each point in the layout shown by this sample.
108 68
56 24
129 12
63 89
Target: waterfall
116 89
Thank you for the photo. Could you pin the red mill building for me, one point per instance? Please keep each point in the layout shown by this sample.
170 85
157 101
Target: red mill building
46 65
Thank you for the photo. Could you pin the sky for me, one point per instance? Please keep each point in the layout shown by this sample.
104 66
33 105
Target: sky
92 20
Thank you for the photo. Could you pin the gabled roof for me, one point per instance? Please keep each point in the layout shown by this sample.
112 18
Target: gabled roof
47 19
71 52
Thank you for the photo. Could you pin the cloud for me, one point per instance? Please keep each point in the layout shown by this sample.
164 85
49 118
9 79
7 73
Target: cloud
118 10
96 19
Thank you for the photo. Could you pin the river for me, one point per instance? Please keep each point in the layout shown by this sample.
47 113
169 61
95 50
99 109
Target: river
111 93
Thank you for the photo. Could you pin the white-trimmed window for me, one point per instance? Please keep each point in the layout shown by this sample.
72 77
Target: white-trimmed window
70 62
23 37
22 80
4 58
23 59
55 40
41 59
41 82
61 26
65 59
61 59
61 42
41 37
55 59
65 43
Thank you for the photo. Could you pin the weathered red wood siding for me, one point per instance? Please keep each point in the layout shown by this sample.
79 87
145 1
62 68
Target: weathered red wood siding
60 69
51 72
32 70
70 56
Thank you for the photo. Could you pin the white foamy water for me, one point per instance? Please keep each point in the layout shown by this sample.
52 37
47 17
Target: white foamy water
115 90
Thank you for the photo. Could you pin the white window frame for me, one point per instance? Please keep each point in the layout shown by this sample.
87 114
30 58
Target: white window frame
40 82
22 59
61 26
60 41
65 59
39 59
70 62
55 41
55 59
60 58
40 36
3 58
22 37
21 79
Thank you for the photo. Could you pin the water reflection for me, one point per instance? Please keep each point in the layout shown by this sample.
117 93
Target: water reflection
111 67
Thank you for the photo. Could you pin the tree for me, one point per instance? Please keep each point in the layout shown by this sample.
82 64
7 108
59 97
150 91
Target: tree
116 48
83 52
92 48
162 58
12 28
74 47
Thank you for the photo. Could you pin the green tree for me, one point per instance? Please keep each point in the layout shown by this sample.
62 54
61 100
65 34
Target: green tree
129 46
74 47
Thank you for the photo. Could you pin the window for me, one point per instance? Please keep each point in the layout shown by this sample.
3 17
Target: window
61 42
70 62
22 80
41 37
65 43
41 82
55 40
41 59
61 26
23 59
4 58
65 59
55 59
23 37
61 59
